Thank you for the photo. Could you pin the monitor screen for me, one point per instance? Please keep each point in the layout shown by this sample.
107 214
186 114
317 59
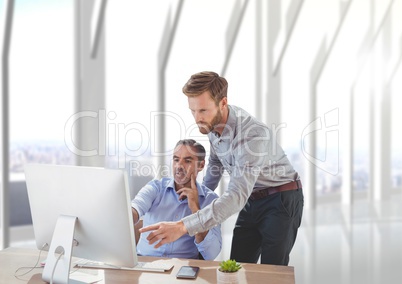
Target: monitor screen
98 198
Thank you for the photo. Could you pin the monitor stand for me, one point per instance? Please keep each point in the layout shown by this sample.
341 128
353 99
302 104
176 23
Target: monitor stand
57 268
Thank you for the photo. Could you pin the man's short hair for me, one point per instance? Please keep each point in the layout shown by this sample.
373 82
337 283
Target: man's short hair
197 147
206 81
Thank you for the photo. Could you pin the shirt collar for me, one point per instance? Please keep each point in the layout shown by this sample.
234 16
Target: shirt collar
229 130
170 186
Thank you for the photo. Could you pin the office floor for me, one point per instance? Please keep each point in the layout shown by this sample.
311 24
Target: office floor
345 244
336 244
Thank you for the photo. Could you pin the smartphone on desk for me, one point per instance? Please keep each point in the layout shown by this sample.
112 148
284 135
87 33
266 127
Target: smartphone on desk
188 272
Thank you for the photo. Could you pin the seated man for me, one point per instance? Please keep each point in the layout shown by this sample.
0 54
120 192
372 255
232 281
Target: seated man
171 199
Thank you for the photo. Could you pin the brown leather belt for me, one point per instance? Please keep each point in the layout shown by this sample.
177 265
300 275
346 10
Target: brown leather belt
271 190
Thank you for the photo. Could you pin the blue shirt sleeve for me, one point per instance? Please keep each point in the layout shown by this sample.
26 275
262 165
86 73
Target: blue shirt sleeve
145 198
211 246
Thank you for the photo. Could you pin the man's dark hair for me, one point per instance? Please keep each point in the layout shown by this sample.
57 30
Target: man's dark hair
198 148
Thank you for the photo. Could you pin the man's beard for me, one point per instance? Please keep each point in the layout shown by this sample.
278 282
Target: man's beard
205 128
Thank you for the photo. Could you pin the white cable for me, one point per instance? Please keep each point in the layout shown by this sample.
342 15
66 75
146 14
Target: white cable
30 267
54 267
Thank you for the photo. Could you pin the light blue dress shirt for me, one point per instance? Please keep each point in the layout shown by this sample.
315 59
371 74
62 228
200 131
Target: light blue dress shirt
158 201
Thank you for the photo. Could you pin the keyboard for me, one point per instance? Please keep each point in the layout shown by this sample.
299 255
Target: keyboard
154 266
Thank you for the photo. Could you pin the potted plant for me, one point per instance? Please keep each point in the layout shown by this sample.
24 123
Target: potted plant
227 272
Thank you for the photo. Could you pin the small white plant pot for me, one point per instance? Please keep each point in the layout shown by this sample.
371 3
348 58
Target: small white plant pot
227 277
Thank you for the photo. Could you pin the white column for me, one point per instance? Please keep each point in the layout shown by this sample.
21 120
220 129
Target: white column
232 31
163 58
346 139
272 108
90 130
4 127
259 58
346 246
280 30
381 113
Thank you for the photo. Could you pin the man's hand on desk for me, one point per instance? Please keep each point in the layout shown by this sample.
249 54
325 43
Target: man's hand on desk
164 232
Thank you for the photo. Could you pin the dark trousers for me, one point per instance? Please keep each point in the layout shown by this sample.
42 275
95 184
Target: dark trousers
268 228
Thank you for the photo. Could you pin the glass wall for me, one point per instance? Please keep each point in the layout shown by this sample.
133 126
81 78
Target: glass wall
142 67
41 83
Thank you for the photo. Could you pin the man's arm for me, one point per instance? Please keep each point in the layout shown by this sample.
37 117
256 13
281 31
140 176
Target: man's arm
136 216
168 232
193 203
164 232
200 236
230 202
211 243
243 176
137 224
142 203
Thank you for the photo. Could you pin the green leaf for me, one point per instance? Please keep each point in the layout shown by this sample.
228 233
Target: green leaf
229 265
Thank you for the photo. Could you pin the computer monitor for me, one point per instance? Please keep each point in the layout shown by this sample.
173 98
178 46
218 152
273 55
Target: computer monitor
85 212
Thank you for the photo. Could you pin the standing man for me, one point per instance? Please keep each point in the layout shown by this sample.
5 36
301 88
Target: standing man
264 188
